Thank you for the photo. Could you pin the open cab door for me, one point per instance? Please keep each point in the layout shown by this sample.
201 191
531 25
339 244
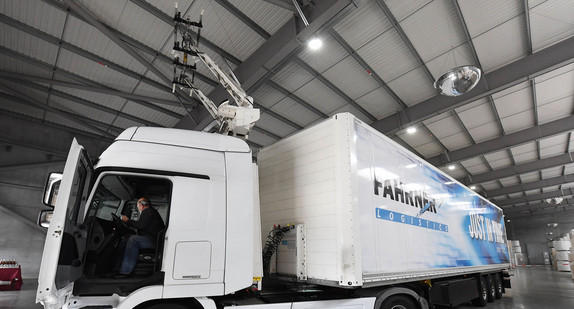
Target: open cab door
66 238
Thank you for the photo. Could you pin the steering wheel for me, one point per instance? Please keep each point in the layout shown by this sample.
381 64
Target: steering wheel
121 227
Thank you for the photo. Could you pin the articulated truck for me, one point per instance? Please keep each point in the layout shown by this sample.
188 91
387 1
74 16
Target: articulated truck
335 216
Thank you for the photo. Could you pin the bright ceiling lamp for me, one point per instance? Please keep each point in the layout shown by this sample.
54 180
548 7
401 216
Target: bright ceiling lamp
554 200
315 44
411 130
458 81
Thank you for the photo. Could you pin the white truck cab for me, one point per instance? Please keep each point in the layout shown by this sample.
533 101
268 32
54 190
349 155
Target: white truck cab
201 253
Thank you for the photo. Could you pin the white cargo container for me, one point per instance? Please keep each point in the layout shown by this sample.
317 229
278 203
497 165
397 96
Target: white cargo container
374 213
376 227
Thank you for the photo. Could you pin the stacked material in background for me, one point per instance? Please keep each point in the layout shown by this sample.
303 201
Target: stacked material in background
562 248
552 254
516 255
570 255
511 254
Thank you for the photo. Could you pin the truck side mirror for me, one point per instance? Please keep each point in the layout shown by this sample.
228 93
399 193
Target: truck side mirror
45 217
51 189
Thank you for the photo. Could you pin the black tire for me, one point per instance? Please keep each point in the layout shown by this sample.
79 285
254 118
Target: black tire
166 306
482 298
497 286
491 296
399 302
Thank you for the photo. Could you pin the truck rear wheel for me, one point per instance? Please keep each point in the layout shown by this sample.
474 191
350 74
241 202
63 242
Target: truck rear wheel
497 285
399 302
482 298
491 296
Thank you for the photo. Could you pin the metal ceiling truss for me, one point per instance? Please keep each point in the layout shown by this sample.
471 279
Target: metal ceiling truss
531 66
244 18
523 168
21 97
535 197
548 182
295 98
96 86
560 126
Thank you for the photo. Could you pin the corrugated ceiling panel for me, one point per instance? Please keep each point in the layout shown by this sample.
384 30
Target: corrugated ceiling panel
292 77
478 115
142 26
294 112
554 97
267 96
552 172
553 146
429 150
551 189
490 185
260 138
509 181
401 9
569 169
502 45
17 66
413 87
124 123
20 108
551 22
50 117
554 73
225 30
147 113
82 110
516 109
363 24
515 195
485 132
532 192
525 153
320 60
460 55
421 142
108 12
277 127
530 177
320 96
434 29
37 14
27 44
351 109
499 159
378 103
98 98
449 132
571 142
481 16
149 91
475 165
456 173
456 141
349 70
36 95
94 71
388 56
270 17
168 7
90 38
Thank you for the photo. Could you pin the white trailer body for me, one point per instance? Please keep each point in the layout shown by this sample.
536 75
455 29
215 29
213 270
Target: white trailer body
374 213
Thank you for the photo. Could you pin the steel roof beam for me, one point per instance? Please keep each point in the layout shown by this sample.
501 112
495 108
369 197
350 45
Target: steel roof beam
544 61
283 4
335 89
282 46
21 97
25 77
295 98
368 68
91 104
244 18
535 197
554 181
532 166
39 64
548 129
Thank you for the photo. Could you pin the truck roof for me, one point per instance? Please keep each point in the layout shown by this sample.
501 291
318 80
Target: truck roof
184 138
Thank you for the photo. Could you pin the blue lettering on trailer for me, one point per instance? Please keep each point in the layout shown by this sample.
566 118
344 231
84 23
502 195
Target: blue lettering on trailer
410 220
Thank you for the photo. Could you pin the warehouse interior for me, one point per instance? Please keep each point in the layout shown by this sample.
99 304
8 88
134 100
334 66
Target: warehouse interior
90 69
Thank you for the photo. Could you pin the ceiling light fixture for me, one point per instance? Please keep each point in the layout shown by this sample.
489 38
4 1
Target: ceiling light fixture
552 224
315 44
411 130
472 187
554 200
451 167
458 81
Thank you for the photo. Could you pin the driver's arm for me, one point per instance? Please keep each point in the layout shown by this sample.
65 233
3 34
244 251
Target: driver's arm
142 223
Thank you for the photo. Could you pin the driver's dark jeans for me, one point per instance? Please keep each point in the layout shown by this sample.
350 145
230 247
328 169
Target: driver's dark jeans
130 248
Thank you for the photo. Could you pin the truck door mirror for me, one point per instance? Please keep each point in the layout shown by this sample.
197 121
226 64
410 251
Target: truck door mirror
45 217
51 189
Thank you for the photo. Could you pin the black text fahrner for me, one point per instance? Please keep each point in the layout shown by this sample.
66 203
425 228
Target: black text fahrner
393 189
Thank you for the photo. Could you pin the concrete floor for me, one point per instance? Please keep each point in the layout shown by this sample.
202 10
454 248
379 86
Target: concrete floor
535 287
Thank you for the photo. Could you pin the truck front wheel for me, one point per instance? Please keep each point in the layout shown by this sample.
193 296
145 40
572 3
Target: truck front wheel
482 298
399 302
